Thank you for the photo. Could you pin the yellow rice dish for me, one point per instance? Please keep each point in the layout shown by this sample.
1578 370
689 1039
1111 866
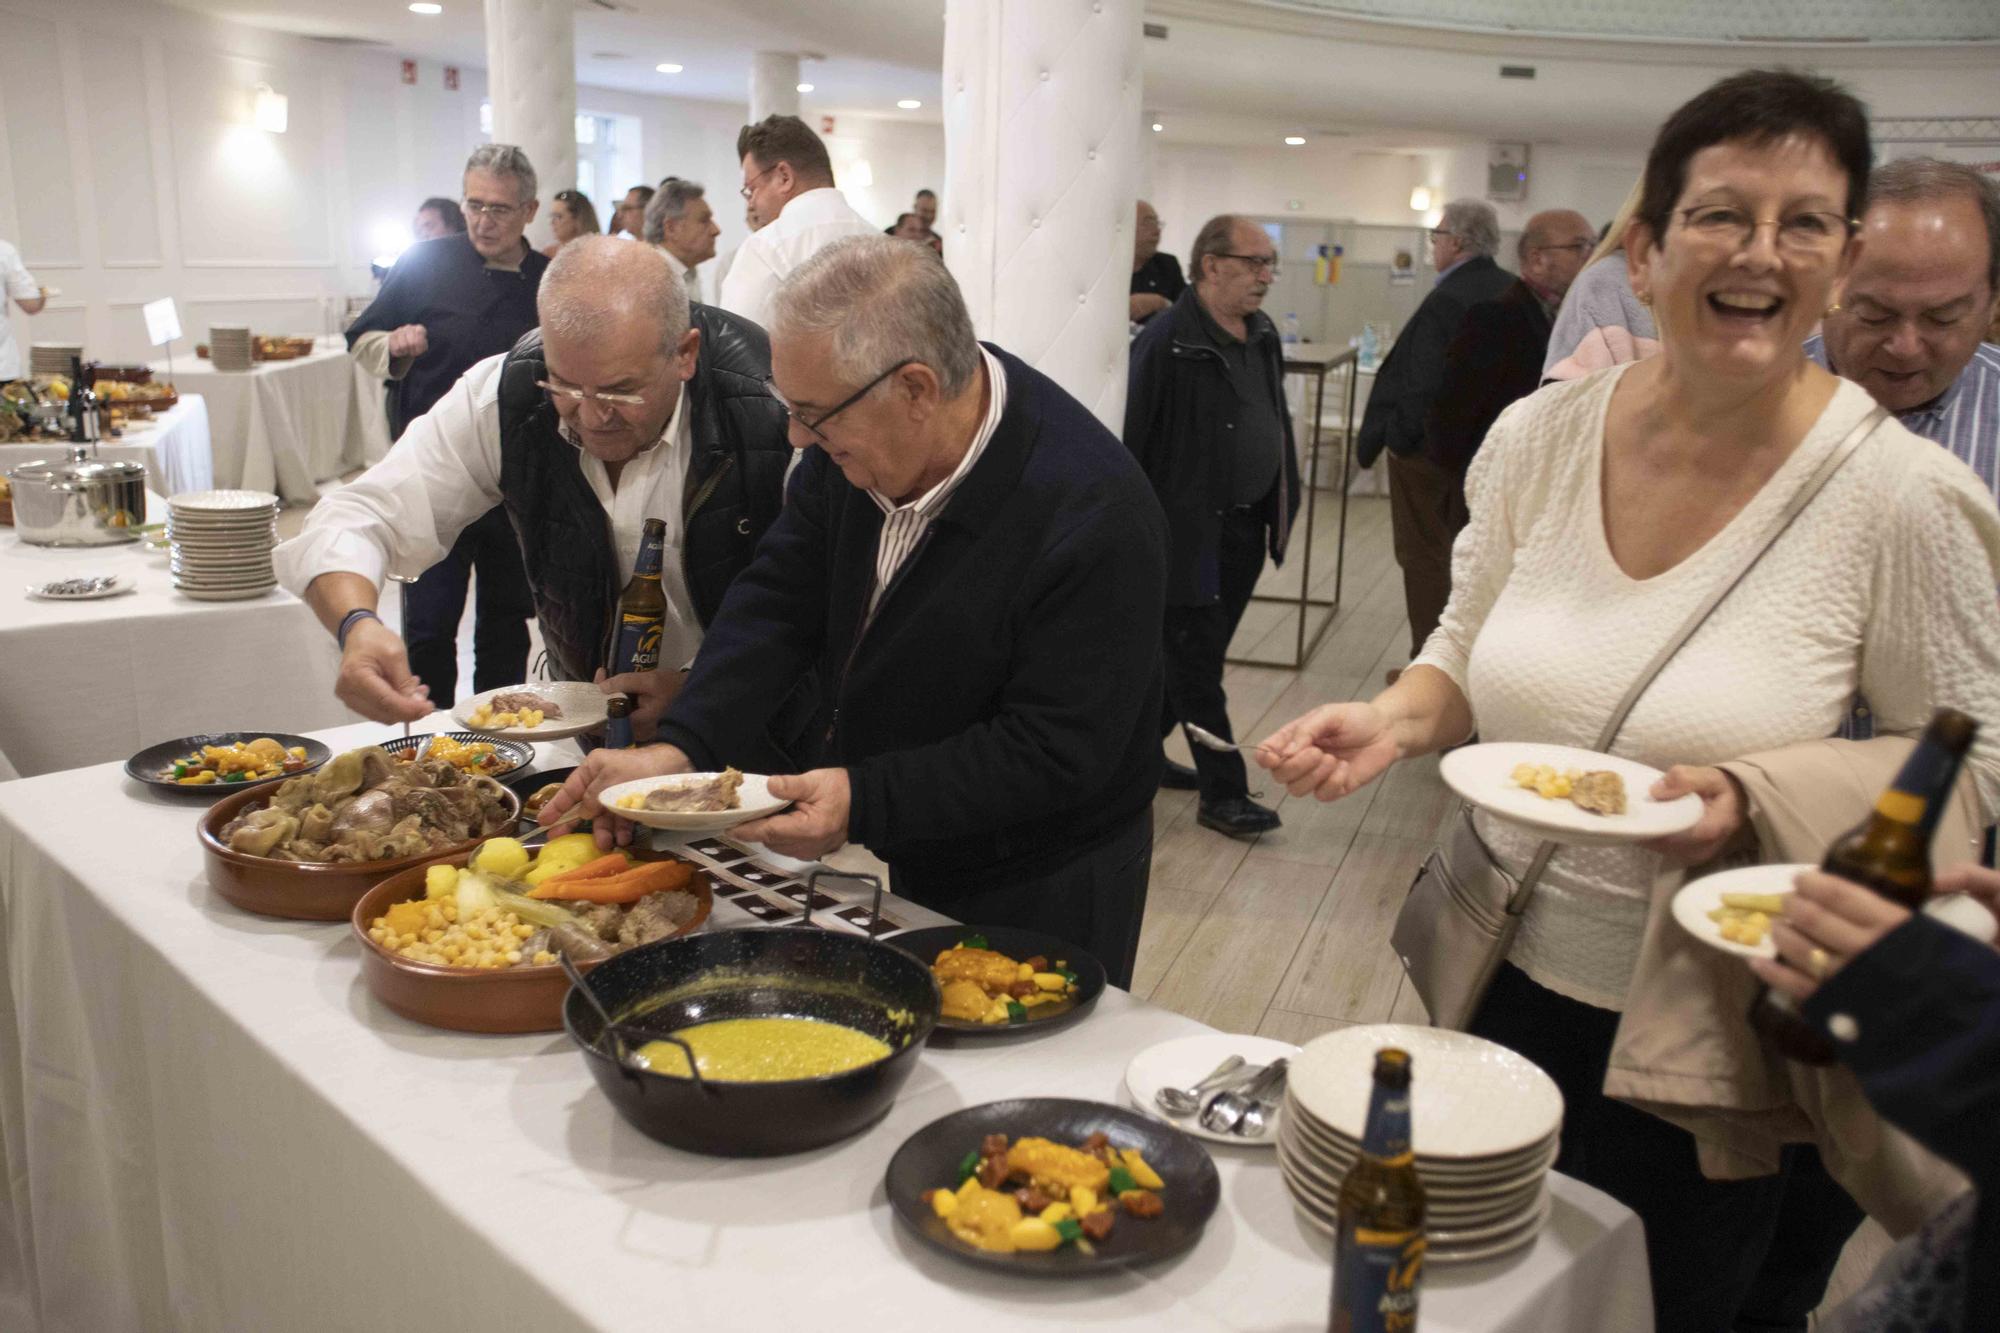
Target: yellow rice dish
765 1050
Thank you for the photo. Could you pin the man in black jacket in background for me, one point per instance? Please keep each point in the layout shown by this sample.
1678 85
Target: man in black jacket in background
969 571
626 404
1462 246
1205 415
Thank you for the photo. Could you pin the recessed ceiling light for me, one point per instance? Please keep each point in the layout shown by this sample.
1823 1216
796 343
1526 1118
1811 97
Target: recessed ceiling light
425 8
1294 140
1157 127
805 87
668 68
909 104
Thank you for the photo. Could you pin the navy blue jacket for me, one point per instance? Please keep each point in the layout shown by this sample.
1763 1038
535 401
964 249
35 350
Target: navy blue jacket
469 312
1399 405
1001 714
1926 1001
1180 405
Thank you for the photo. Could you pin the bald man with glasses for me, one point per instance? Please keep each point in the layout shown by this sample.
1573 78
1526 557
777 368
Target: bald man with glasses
626 404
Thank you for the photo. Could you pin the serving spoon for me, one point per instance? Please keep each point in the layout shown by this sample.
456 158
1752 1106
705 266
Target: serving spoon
1186 1101
1225 1110
1210 741
1257 1117
621 1048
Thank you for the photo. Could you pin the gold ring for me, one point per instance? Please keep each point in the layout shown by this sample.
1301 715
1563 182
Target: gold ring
1819 962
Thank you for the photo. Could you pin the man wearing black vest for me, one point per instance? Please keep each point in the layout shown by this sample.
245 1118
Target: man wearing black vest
626 404
449 303
971 570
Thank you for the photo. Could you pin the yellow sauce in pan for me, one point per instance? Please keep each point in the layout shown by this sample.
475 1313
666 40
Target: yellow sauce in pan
765 1050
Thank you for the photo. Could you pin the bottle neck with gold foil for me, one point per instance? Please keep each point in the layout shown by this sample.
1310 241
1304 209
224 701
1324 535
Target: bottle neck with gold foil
1387 1138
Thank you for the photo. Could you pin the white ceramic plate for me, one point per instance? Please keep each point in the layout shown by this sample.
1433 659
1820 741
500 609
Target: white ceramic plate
1451 1194
1458 1174
1468 1097
583 709
1483 775
1436 1252
754 802
1697 898
119 584
1185 1061
223 594
225 501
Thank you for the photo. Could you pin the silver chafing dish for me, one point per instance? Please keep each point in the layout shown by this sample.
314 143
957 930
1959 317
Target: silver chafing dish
78 500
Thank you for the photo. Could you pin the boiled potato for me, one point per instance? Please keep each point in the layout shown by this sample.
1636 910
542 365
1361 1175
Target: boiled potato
502 858
441 882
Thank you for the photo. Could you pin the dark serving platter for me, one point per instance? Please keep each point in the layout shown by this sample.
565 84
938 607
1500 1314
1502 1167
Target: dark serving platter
144 767
509 756
929 1160
928 943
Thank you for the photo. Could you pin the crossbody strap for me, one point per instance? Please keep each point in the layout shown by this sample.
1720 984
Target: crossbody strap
1517 902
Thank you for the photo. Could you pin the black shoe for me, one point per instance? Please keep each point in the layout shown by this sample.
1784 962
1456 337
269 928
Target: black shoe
1238 817
1179 777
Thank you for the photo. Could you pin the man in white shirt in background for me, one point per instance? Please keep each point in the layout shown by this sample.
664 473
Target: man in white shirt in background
681 223
788 179
19 285
623 405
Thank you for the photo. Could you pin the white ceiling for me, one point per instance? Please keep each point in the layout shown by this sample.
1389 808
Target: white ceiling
1229 71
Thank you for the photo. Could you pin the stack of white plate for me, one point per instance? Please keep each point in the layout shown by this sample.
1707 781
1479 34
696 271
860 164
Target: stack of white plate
1483 1121
53 358
222 543
229 347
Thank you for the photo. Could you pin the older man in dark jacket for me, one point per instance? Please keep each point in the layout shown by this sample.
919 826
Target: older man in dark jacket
1205 415
626 404
965 587
1462 246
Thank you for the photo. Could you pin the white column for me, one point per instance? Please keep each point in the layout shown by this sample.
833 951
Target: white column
1041 120
774 85
531 81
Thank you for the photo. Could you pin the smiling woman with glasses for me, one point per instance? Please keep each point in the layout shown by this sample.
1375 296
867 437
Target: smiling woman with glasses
1773 542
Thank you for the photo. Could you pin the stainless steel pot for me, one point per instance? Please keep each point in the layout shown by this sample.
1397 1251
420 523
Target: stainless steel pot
78 501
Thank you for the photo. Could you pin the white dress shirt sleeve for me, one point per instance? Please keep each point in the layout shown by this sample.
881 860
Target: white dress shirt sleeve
402 515
752 284
20 284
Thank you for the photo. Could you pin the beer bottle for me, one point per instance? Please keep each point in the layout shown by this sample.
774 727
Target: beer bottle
1378 1251
642 607
618 727
1889 852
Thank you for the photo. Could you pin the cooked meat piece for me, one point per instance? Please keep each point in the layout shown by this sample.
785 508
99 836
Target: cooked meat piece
600 919
1600 793
983 967
577 942
993 1145
656 916
260 831
1032 1200
365 806
1141 1203
1037 962
993 1172
513 701
1097 1142
699 795
1097 1226
372 810
533 805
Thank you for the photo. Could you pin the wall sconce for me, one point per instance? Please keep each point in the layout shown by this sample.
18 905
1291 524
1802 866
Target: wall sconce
272 109
1420 199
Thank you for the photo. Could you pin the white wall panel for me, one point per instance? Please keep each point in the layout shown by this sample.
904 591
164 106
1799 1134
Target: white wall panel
32 103
247 198
127 213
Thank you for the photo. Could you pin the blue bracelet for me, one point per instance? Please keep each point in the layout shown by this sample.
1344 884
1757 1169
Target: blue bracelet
349 621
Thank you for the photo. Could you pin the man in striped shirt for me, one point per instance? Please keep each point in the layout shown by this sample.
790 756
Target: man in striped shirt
1922 295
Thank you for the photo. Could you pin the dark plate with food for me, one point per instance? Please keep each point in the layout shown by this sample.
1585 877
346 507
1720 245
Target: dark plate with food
535 789
800 1037
467 751
221 762
987 994
421 959
310 846
1053 1187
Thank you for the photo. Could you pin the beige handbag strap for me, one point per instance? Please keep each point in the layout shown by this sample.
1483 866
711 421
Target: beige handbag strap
1517 902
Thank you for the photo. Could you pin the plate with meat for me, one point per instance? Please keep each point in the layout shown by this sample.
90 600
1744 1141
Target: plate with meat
218 763
1575 797
997 981
1053 1187
545 710
693 802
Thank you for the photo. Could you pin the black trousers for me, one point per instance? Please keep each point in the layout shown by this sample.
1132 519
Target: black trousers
1196 644
1724 1254
1096 900
434 604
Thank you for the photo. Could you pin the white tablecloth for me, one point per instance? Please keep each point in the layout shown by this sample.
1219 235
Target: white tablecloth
174 447
91 681
284 425
209 1123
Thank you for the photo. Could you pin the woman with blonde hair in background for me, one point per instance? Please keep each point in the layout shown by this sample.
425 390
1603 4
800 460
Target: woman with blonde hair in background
571 214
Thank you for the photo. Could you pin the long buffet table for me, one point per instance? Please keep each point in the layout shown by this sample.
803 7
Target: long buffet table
174 446
209 1123
95 680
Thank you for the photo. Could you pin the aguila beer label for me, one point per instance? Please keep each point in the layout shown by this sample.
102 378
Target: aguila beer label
1376 1280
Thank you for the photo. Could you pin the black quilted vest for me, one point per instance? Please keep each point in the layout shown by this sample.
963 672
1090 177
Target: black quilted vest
732 493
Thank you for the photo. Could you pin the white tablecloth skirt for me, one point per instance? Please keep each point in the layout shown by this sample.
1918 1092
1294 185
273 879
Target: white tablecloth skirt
209 1123
285 425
